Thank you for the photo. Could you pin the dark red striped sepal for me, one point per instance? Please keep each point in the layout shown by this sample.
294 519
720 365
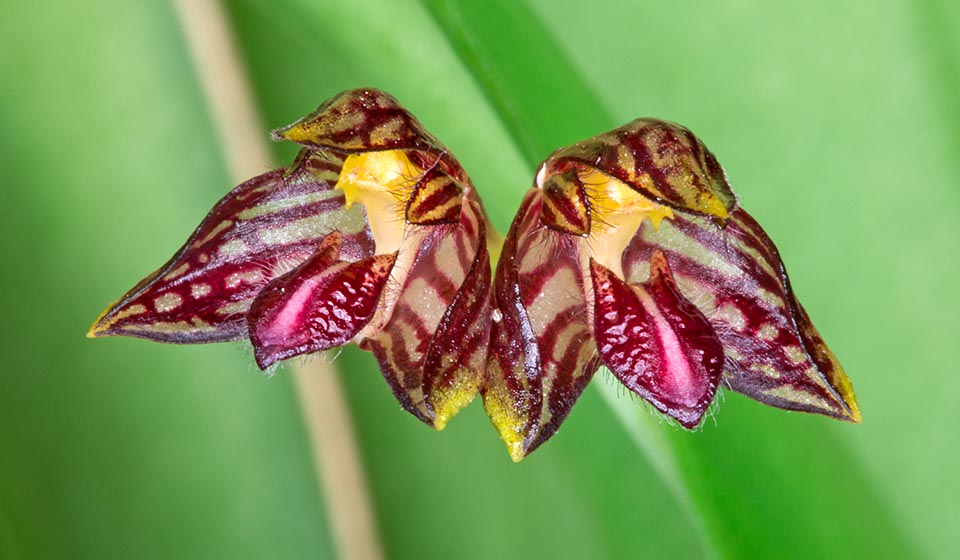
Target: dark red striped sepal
661 160
259 230
431 342
359 120
379 191
772 351
657 343
322 303
542 352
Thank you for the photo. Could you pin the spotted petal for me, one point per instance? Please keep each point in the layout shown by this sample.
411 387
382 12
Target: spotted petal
259 230
322 303
656 342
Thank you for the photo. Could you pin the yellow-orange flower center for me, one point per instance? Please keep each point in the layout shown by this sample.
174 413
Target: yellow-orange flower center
382 182
616 213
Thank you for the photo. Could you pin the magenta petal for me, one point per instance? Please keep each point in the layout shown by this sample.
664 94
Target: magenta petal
322 303
656 342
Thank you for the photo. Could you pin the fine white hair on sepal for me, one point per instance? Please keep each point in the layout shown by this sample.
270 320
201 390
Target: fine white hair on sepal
715 405
623 391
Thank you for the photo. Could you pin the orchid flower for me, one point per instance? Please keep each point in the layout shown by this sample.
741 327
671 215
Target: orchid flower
631 252
373 235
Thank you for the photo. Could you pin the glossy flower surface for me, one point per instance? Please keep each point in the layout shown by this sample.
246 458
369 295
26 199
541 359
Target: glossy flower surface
630 251
373 235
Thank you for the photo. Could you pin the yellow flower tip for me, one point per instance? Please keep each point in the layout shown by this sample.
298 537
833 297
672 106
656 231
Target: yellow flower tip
854 414
494 246
448 403
848 398
444 413
101 324
299 132
101 328
517 452
509 423
714 207
114 313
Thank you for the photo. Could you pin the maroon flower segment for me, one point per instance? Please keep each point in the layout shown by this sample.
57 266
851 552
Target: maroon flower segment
435 341
657 343
322 303
374 235
542 352
357 121
630 251
772 351
662 160
263 228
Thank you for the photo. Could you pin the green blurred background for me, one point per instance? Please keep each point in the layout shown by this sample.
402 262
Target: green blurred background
837 122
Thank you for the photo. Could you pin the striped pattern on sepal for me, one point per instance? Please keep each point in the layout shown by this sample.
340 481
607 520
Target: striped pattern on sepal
359 120
260 230
661 160
431 340
565 204
436 199
735 276
542 353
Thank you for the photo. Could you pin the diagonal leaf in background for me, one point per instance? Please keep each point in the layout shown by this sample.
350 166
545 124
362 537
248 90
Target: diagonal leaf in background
836 116
810 472
749 518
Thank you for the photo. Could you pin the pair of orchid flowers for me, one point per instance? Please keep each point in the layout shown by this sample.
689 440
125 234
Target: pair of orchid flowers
629 251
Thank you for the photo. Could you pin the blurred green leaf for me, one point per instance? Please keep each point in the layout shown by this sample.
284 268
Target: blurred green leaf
836 122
